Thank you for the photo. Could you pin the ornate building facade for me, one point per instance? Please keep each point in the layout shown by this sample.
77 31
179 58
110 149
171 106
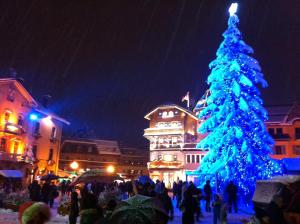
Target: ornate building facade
29 134
172 134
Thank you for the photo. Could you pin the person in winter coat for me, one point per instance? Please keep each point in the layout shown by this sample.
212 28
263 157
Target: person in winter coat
189 207
208 194
231 191
90 212
178 194
52 194
74 208
34 191
34 213
216 209
166 202
46 189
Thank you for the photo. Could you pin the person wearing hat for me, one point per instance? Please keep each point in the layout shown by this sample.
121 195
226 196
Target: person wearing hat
34 213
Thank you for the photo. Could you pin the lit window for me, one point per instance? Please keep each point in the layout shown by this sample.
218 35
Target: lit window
171 114
7 116
16 147
175 157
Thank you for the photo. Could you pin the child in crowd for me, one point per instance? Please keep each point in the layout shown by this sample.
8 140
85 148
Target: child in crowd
216 209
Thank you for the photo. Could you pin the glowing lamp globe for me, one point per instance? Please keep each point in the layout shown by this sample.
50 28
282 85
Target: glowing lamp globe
48 121
33 117
74 165
110 169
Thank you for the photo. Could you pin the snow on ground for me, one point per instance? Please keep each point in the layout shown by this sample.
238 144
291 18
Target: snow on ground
10 217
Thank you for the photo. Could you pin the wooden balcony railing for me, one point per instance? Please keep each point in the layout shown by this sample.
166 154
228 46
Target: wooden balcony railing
4 156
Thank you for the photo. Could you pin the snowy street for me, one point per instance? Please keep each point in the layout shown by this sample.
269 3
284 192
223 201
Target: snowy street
9 217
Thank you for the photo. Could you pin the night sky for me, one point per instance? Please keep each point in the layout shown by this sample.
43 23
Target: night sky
107 63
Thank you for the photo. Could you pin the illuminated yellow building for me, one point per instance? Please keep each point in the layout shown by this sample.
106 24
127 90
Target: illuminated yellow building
29 134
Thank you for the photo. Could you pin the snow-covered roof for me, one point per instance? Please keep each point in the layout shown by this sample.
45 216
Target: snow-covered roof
34 104
283 114
102 146
21 89
168 106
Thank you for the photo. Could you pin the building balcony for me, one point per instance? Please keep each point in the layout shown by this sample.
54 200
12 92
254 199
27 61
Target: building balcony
281 137
14 129
162 164
163 131
4 156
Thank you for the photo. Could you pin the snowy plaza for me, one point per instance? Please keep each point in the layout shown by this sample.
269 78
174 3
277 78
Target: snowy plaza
120 151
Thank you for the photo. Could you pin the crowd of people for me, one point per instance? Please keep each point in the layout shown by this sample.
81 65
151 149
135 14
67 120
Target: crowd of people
189 198
45 193
94 202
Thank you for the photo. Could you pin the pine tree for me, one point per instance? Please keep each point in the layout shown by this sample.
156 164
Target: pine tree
238 142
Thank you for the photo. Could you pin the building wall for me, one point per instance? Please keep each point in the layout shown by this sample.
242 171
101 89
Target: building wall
287 140
133 163
89 154
27 139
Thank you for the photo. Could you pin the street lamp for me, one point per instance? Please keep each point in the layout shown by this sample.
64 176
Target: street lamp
110 169
74 165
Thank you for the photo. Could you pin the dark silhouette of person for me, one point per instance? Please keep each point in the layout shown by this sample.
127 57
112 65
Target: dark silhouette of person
166 202
74 208
231 191
46 189
189 207
35 191
208 194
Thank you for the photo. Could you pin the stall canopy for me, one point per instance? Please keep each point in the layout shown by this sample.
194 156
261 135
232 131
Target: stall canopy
292 165
11 173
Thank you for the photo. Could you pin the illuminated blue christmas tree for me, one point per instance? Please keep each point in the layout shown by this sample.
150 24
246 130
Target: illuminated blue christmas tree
238 142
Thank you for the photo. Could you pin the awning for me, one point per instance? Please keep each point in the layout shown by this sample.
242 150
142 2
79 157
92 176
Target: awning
292 165
11 173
